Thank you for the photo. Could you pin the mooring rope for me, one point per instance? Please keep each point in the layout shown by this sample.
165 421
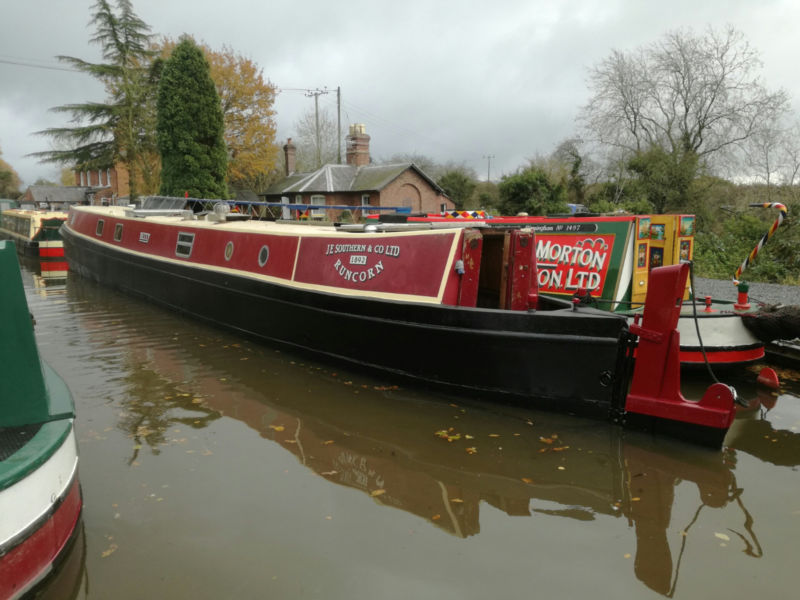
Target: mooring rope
764 238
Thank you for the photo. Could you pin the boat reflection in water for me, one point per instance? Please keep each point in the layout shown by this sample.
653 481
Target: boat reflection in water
438 460
45 273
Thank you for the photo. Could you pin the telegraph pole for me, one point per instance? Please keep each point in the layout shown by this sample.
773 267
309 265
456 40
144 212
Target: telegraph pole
339 122
316 94
489 158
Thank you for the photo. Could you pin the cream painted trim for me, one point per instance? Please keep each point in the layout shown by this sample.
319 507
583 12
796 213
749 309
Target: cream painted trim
449 265
267 278
625 277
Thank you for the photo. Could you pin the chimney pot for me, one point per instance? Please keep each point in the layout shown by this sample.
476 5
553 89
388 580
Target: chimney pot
290 152
358 146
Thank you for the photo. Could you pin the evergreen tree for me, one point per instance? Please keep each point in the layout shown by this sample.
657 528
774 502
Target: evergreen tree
112 132
190 126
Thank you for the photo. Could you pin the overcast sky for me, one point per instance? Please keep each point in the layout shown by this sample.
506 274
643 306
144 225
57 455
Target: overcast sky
454 80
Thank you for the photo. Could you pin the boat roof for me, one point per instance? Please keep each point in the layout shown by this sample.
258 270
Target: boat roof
189 219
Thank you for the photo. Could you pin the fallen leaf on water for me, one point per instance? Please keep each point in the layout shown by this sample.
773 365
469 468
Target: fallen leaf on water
472 450
722 536
635 499
446 435
327 442
469 437
560 448
277 427
545 440
457 500
109 551
377 492
560 468
494 435
527 480
329 473
627 555
289 441
436 517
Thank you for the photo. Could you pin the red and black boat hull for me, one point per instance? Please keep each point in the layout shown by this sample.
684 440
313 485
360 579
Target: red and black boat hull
528 355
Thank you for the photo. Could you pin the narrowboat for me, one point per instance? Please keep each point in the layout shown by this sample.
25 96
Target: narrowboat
35 232
40 495
455 306
605 260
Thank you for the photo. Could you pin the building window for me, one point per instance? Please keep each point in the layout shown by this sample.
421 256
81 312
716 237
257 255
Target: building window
443 208
118 232
184 245
317 213
365 204
99 230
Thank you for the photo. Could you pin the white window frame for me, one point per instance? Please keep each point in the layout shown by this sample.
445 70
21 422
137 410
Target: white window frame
317 200
184 244
365 204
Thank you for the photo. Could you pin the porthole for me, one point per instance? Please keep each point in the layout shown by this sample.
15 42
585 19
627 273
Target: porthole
118 232
263 256
228 250
99 229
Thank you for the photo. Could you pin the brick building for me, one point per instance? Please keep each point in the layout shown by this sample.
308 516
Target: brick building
108 186
358 184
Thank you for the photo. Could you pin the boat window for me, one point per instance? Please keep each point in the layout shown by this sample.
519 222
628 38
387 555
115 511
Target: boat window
263 256
184 246
99 230
118 232
228 250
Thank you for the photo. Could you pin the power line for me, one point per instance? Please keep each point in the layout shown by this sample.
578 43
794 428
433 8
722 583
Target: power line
31 65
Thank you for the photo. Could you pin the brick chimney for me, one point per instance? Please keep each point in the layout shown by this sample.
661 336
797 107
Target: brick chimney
289 153
357 146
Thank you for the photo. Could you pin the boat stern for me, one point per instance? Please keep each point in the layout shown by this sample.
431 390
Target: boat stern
655 397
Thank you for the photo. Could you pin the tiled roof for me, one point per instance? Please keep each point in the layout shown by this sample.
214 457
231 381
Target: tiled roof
345 178
57 193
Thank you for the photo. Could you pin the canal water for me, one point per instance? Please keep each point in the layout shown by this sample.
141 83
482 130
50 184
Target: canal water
215 467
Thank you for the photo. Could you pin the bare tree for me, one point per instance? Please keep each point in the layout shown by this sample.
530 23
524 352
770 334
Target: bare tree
685 93
790 151
316 139
763 153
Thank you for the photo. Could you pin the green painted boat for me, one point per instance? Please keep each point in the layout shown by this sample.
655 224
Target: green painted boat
40 495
